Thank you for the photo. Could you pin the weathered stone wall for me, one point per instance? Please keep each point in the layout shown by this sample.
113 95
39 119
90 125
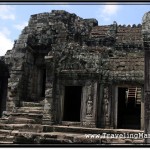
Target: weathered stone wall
127 69
37 39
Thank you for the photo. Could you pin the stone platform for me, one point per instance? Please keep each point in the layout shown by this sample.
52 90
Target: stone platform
24 126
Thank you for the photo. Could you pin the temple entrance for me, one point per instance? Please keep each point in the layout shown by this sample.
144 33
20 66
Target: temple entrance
38 83
72 103
129 109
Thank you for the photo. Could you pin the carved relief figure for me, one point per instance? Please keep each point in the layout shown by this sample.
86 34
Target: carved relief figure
106 105
89 106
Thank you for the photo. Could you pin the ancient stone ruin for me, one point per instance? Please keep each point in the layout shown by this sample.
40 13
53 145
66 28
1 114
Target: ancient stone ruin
68 78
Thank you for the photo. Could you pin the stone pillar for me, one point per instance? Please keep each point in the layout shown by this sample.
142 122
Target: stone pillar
14 90
104 107
146 44
89 105
48 116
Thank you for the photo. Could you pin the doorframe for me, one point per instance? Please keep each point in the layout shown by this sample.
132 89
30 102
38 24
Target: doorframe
62 101
116 105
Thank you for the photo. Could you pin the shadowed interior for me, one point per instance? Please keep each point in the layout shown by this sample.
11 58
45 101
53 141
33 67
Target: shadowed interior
72 103
128 113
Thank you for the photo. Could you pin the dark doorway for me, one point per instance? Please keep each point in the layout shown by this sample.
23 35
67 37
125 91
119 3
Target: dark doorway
128 112
72 103
39 84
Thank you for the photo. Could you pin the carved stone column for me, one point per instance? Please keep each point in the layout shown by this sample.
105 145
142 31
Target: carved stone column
48 116
146 44
105 110
106 105
89 106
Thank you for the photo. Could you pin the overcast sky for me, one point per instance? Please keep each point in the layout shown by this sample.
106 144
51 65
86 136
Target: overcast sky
13 18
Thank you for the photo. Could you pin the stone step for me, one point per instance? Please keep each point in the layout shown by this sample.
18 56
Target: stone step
60 135
14 133
31 108
6 126
37 110
82 139
6 114
22 127
31 128
3 120
23 140
9 138
65 137
30 111
85 130
41 138
25 137
68 123
6 142
22 121
119 141
25 120
6 138
55 141
5 132
2 137
26 115
31 104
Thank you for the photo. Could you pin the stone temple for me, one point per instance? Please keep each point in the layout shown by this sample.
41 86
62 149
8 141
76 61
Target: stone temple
69 80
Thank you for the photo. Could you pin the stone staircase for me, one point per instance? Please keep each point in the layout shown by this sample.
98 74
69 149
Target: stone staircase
131 92
25 118
134 93
24 126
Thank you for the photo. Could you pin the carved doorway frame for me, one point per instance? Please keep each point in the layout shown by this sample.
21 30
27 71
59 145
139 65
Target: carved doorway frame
116 105
63 84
